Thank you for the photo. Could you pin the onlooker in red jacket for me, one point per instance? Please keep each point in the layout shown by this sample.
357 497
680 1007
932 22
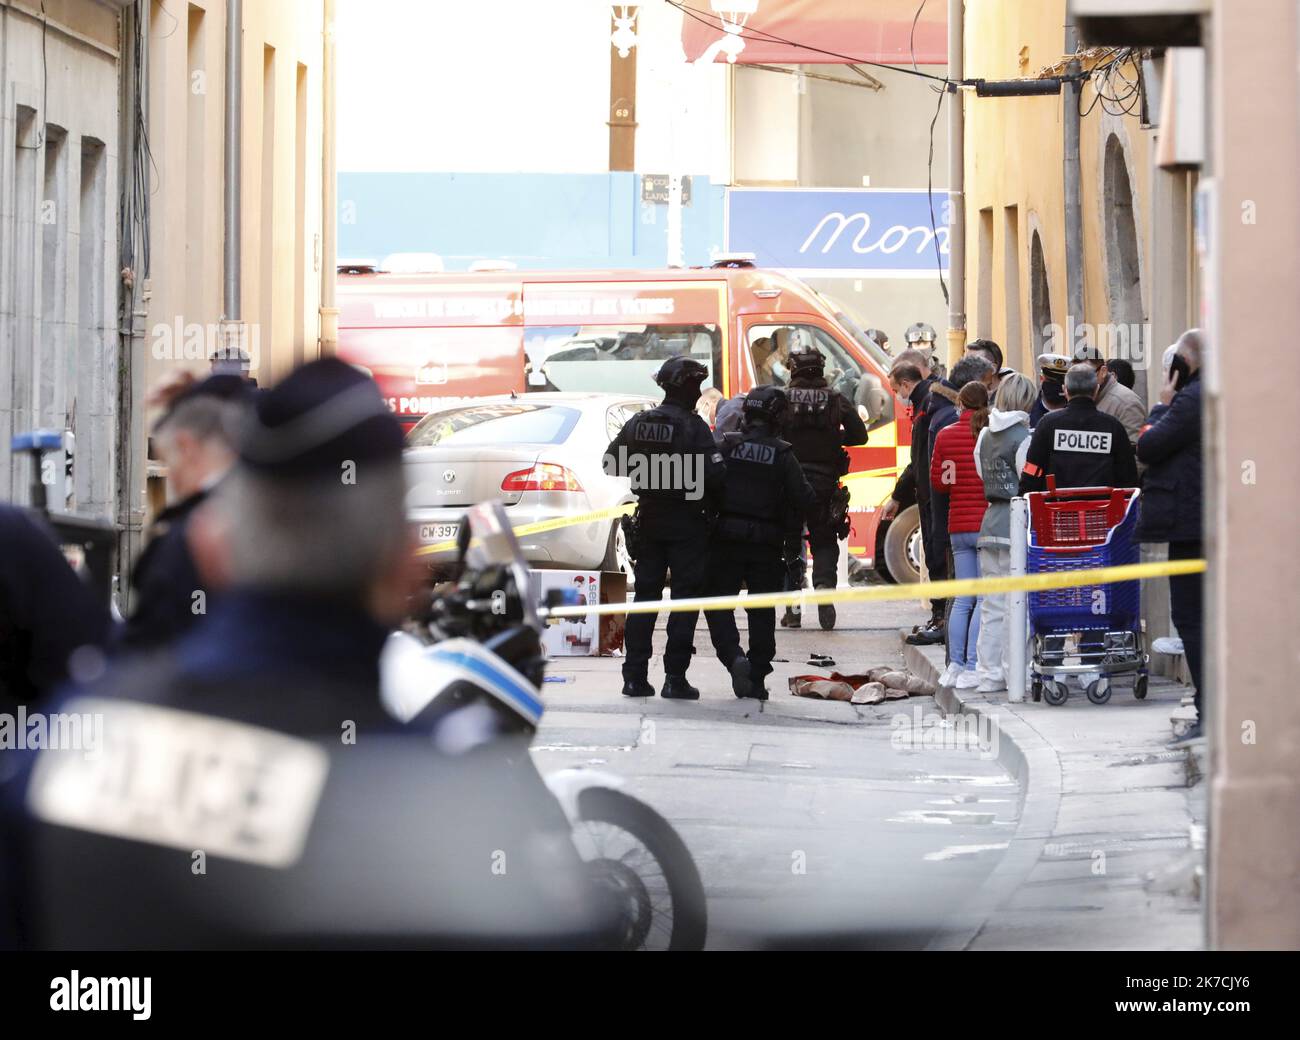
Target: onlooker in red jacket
953 473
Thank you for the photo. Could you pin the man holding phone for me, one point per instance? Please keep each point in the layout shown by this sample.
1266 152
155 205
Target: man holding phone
1172 498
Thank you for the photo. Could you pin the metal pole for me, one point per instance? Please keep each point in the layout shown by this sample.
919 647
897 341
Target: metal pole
1018 603
234 157
329 314
956 184
1073 202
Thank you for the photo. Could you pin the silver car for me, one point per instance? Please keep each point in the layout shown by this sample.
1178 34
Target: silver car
539 454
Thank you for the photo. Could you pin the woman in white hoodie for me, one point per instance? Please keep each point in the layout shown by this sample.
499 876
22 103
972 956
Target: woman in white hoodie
1000 455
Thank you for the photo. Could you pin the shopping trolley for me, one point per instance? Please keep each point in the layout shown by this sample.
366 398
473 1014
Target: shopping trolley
1093 632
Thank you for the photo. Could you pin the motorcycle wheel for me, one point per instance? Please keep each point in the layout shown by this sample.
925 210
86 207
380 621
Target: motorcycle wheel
635 851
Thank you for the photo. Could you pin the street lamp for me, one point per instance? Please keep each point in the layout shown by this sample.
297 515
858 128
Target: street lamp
734 14
624 36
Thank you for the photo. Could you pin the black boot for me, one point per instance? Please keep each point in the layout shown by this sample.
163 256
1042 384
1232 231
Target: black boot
676 688
826 616
637 688
930 635
740 681
791 618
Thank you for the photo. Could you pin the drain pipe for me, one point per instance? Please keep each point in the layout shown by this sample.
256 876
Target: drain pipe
231 303
329 312
956 184
1072 89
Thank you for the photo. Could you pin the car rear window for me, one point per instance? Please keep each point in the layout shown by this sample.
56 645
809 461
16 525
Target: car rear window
495 424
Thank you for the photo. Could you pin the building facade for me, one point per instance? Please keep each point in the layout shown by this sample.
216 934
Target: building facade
60 144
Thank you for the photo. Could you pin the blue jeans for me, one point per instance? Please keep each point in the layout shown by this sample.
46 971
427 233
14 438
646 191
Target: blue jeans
964 621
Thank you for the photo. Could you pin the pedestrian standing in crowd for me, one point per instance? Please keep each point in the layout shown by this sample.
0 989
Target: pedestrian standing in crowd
1113 397
707 406
943 412
992 353
196 441
910 379
1173 500
954 479
1122 370
1000 452
672 522
766 496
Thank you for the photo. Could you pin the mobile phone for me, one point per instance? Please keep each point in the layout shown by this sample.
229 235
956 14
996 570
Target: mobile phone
1179 370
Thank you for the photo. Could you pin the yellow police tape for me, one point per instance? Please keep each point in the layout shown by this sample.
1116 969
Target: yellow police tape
556 523
540 526
877 593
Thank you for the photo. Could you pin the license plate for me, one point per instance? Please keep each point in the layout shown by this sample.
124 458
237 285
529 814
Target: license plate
430 533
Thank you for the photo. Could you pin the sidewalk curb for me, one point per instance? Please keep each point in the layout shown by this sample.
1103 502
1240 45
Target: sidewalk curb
1036 767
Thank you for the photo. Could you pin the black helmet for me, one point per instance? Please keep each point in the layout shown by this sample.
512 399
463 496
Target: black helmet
678 373
805 357
765 403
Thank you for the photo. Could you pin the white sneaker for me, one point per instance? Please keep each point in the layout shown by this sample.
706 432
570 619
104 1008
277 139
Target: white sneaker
1171 645
968 680
950 674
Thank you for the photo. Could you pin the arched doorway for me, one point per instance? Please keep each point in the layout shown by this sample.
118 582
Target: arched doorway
1123 269
1040 298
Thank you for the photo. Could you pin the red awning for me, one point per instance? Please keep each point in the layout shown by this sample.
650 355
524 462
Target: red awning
861 30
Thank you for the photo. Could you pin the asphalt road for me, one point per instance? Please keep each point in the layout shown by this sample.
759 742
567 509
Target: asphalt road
810 821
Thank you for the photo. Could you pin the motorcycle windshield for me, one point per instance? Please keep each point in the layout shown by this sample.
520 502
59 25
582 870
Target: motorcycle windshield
492 542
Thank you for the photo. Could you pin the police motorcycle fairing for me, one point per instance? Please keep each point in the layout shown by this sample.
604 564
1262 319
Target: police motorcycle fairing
473 673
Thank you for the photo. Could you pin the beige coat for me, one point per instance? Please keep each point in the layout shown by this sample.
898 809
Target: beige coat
1118 400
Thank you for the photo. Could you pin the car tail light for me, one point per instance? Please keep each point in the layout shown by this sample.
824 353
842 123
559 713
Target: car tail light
545 476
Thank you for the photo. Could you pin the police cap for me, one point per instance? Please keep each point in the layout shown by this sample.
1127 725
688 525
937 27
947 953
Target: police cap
323 414
1054 366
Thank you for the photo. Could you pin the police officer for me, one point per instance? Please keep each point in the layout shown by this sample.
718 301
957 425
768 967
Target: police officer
1051 381
819 423
1078 445
195 439
249 783
766 494
678 477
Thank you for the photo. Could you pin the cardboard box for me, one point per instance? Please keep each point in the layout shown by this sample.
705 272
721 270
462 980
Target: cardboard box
590 636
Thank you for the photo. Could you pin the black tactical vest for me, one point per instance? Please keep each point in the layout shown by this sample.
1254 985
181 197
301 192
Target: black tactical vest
662 460
754 502
811 408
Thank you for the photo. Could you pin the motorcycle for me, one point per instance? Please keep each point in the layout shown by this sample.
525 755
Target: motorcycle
472 672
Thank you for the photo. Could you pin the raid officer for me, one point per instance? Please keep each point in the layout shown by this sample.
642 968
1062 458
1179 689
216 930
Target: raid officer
678 477
766 495
1079 445
819 423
